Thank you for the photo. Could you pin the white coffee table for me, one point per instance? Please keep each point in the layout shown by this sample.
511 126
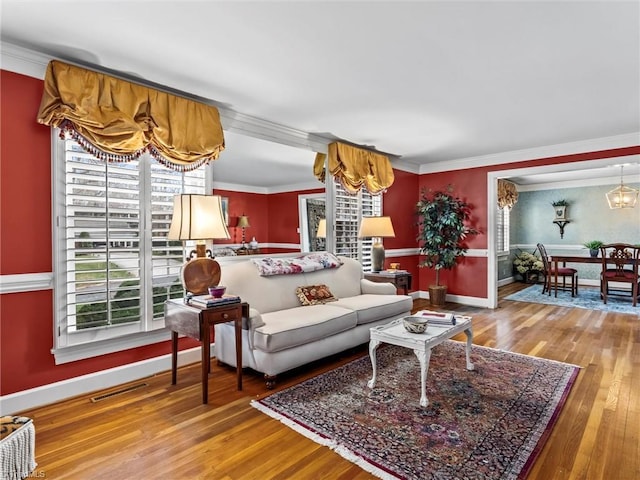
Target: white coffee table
421 344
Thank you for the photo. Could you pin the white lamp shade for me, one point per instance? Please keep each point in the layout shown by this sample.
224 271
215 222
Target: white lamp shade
322 228
376 227
197 217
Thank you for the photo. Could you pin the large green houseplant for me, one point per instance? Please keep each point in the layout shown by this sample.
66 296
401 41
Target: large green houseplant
442 223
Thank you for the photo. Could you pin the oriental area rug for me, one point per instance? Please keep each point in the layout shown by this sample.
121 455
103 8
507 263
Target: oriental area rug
489 423
588 297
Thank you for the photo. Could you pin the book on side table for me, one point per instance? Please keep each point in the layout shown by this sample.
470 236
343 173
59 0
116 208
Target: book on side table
207 301
435 318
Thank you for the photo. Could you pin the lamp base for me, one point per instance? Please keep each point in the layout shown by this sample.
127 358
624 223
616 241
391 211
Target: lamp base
200 273
377 257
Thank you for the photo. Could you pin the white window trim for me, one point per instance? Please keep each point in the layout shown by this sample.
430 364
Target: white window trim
130 337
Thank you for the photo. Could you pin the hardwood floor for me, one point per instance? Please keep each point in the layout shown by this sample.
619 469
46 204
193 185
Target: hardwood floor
160 431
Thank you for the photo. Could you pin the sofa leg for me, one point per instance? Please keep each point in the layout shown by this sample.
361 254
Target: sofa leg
270 381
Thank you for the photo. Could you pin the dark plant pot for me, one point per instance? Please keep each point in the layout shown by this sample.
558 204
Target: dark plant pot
437 295
594 252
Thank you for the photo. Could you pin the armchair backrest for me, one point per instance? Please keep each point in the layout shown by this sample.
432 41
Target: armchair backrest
545 258
617 256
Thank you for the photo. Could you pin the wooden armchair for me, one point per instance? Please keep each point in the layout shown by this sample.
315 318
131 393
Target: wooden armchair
550 275
620 264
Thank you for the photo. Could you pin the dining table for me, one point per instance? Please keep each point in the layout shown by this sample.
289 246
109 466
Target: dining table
556 259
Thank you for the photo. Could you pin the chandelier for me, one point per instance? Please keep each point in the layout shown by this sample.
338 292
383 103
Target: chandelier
622 196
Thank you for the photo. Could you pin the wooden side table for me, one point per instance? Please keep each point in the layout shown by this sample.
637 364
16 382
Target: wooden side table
196 322
400 280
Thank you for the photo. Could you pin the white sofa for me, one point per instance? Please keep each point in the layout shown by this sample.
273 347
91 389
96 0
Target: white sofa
282 334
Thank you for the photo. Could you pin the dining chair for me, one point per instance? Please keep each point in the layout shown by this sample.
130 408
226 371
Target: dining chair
550 275
620 265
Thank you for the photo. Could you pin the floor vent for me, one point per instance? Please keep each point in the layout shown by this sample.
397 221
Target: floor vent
119 392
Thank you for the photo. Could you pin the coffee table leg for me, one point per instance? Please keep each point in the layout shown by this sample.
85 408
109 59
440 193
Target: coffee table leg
469 333
423 358
373 346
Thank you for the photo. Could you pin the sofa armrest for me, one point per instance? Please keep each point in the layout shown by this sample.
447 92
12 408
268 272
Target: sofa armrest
367 286
254 321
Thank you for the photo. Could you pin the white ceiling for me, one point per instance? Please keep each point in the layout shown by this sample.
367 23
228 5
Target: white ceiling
429 82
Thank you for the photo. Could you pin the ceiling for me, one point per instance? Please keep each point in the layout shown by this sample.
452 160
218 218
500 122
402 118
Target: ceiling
428 82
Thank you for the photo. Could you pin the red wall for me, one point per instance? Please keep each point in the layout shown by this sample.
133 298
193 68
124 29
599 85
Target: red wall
273 218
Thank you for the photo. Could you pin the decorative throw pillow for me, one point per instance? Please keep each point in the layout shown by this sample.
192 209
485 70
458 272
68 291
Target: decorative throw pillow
314 294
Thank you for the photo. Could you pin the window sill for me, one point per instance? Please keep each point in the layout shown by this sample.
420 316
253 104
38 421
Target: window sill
112 345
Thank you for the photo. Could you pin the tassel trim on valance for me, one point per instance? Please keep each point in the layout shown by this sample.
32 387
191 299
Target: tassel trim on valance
67 131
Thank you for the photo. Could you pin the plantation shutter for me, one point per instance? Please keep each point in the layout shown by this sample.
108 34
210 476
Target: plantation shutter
102 215
502 230
349 210
168 256
115 268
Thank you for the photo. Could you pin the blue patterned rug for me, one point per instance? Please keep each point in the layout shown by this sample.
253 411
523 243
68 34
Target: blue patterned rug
588 297
485 424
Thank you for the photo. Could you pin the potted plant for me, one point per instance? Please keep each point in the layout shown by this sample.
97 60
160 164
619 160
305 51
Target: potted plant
529 266
560 208
442 229
594 247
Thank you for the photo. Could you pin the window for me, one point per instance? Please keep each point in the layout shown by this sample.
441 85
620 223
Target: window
349 209
502 233
114 265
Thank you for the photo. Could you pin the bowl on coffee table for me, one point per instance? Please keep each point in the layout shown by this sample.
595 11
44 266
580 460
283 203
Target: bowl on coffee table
415 325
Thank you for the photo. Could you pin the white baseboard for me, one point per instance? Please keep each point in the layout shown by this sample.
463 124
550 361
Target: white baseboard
15 403
461 299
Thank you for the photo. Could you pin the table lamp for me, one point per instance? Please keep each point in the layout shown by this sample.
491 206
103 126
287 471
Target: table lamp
376 228
322 228
243 222
199 218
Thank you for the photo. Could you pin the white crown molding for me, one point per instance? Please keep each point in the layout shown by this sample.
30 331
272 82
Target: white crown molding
629 180
234 187
23 61
405 166
592 145
294 187
31 63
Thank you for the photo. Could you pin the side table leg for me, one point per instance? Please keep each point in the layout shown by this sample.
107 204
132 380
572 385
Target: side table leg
238 332
174 356
469 333
206 359
423 358
373 346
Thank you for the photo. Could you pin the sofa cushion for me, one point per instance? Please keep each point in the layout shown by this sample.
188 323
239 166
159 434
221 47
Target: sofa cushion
296 326
343 282
315 294
371 308
265 294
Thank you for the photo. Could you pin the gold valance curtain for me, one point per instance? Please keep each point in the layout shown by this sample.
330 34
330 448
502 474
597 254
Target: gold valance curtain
507 194
118 120
355 167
